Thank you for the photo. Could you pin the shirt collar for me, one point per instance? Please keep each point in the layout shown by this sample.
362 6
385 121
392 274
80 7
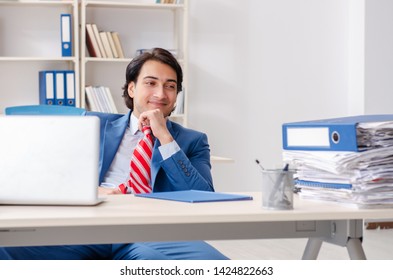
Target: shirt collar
133 124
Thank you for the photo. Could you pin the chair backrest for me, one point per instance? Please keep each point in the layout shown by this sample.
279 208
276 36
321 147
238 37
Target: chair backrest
44 110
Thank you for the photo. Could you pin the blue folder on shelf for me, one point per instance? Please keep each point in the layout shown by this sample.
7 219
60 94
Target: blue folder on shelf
60 89
47 87
337 134
194 196
69 78
66 40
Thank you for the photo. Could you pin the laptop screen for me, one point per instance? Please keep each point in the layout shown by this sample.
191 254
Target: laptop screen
49 159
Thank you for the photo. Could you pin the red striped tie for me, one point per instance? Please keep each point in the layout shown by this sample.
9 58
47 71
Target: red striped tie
139 180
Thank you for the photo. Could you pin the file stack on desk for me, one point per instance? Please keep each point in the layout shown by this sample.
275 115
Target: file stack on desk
346 160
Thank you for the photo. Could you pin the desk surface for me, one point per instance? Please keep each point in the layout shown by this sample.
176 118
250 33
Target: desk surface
125 219
130 210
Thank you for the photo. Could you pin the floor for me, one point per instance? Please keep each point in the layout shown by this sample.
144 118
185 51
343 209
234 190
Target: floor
377 245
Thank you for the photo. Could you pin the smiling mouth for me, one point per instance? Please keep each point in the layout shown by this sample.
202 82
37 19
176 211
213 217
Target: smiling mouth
158 104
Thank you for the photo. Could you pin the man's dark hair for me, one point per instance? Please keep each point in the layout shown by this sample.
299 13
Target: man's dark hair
135 66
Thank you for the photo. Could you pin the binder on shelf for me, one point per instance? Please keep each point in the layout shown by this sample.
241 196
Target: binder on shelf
46 87
336 134
66 40
59 88
69 77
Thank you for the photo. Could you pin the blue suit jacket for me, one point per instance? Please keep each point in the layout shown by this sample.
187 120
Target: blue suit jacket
187 169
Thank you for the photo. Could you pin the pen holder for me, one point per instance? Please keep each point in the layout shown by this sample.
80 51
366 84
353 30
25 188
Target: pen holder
277 189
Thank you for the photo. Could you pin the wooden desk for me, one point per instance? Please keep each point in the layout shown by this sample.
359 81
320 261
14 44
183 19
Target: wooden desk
125 218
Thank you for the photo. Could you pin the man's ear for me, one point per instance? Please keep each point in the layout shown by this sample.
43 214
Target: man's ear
131 89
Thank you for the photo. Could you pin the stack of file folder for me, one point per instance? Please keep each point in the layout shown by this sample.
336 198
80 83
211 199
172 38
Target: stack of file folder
347 160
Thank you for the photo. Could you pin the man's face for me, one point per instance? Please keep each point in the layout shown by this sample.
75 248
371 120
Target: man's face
156 88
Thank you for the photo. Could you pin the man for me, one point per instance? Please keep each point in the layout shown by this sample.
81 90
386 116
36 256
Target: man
180 160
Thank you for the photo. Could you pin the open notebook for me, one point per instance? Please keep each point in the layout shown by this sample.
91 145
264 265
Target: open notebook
194 196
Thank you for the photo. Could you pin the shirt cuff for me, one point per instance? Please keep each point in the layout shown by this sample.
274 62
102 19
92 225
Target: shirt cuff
108 185
169 149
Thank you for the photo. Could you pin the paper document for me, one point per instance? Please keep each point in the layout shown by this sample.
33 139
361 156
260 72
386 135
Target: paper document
362 177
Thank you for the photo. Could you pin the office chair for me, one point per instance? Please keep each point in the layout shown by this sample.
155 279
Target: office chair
44 110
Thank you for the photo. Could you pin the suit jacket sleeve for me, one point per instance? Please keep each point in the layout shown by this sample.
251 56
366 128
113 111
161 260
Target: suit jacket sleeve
190 167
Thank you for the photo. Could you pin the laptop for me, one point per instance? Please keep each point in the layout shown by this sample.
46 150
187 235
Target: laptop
49 160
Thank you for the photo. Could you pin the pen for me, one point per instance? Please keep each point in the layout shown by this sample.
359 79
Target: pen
259 164
278 184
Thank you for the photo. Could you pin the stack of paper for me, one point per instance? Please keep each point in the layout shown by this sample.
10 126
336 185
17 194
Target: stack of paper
361 176
375 134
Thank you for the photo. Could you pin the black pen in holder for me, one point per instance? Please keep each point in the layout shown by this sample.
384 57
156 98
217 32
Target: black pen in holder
277 188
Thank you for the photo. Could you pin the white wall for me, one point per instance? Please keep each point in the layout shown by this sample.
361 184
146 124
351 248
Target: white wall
370 57
255 64
379 57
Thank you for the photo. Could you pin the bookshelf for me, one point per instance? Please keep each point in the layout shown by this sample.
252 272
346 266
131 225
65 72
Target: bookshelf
30 39
33 44
140 25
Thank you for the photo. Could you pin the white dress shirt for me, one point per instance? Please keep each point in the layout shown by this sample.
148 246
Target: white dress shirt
119 170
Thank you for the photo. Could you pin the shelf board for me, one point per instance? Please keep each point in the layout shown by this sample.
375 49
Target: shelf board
114 4
38 3
33 58
119 60
100 59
